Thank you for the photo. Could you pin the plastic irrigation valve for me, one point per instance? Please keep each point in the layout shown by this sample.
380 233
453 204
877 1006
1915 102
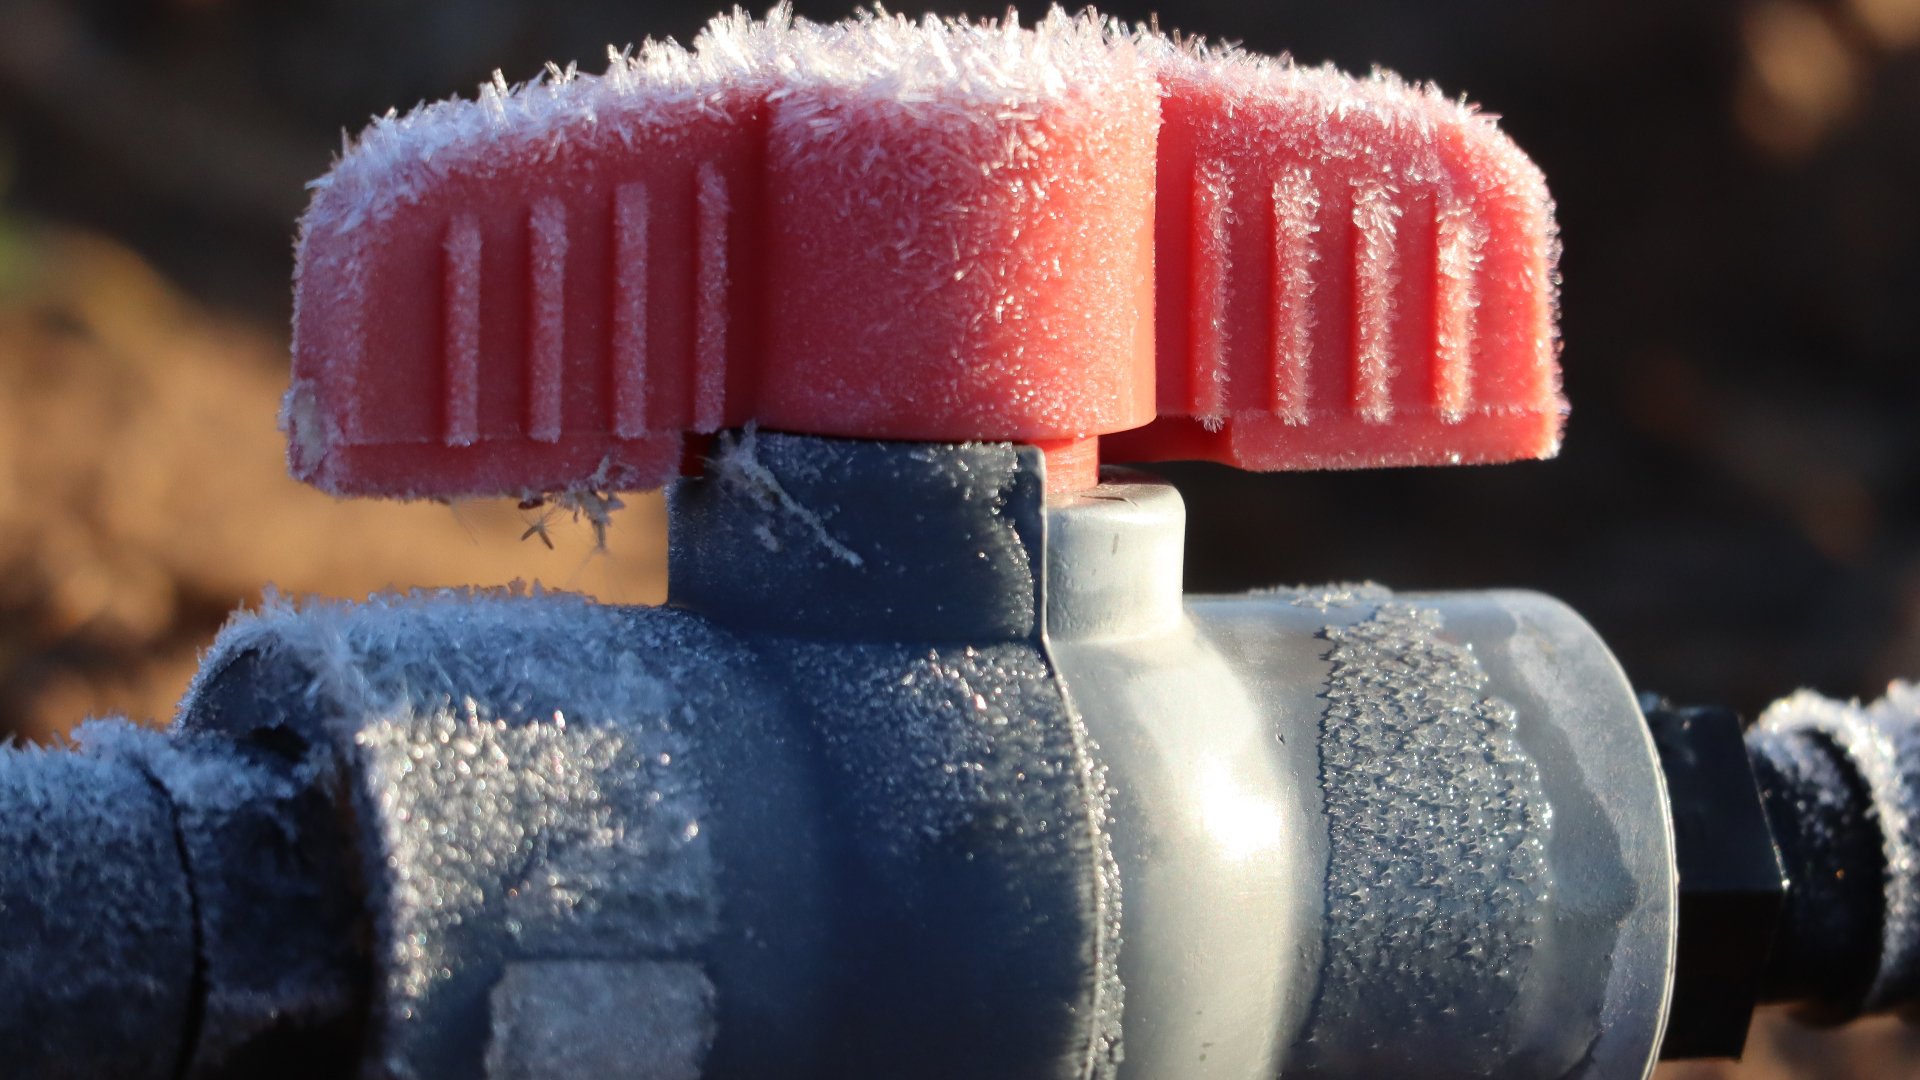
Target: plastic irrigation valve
928 768
920 772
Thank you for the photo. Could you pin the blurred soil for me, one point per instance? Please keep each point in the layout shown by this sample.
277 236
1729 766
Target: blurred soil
1782 1048
143 494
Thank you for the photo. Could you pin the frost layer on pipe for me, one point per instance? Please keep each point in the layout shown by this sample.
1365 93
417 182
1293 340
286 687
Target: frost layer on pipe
1879 743
97 939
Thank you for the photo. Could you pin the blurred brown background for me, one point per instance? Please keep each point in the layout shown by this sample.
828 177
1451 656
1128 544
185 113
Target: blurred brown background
1737 509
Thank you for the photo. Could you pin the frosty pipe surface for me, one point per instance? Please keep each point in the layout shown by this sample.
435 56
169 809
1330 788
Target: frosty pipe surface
175 906
918 774
1842 786
96 920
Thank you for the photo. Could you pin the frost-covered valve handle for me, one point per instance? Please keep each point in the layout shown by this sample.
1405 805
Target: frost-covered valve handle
928 768
952 233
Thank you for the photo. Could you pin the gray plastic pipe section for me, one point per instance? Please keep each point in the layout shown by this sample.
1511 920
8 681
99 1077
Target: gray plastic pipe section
1362 834
918 773
96 920
173 906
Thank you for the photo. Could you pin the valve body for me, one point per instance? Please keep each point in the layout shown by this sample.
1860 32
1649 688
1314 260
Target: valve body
923 772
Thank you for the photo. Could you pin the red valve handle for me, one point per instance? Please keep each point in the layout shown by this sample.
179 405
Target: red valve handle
933 231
